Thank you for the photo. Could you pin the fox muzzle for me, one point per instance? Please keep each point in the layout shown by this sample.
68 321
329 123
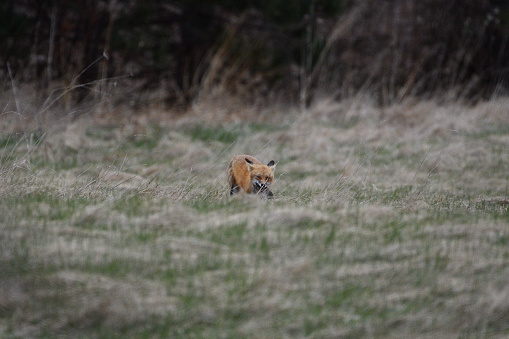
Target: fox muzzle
259 187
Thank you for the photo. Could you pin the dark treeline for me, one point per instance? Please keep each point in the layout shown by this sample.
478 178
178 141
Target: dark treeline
259 50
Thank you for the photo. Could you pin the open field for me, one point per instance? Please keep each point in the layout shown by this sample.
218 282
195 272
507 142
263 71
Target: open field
386 222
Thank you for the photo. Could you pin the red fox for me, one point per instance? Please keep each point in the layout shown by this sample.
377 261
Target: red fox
247 174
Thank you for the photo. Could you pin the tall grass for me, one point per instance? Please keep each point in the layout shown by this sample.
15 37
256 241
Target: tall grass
385 222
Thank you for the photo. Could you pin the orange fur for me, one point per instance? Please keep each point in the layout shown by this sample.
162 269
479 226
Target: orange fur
245 173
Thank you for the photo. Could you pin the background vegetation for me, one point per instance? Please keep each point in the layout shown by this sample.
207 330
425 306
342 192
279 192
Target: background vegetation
258 51
389 122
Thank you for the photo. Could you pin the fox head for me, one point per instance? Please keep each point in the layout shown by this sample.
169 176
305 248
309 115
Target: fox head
262 176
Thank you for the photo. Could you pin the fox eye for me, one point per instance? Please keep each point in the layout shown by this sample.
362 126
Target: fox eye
268 179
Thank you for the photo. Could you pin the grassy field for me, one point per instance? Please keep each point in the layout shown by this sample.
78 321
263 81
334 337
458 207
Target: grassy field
386 222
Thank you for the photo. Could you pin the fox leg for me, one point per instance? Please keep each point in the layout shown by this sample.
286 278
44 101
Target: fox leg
234 188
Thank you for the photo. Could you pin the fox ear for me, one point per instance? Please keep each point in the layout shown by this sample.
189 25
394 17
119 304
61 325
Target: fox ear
272 164
248 163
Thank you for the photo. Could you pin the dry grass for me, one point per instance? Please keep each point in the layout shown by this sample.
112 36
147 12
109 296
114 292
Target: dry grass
386 222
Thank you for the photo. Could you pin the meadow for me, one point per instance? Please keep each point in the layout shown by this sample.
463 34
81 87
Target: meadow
385 222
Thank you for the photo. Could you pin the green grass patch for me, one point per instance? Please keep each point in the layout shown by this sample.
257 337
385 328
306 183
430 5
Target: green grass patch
208 134
104 133
231 235
41 205
206 204
489 130
131 204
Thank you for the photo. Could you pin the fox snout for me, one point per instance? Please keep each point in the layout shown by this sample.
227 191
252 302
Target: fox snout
259 187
